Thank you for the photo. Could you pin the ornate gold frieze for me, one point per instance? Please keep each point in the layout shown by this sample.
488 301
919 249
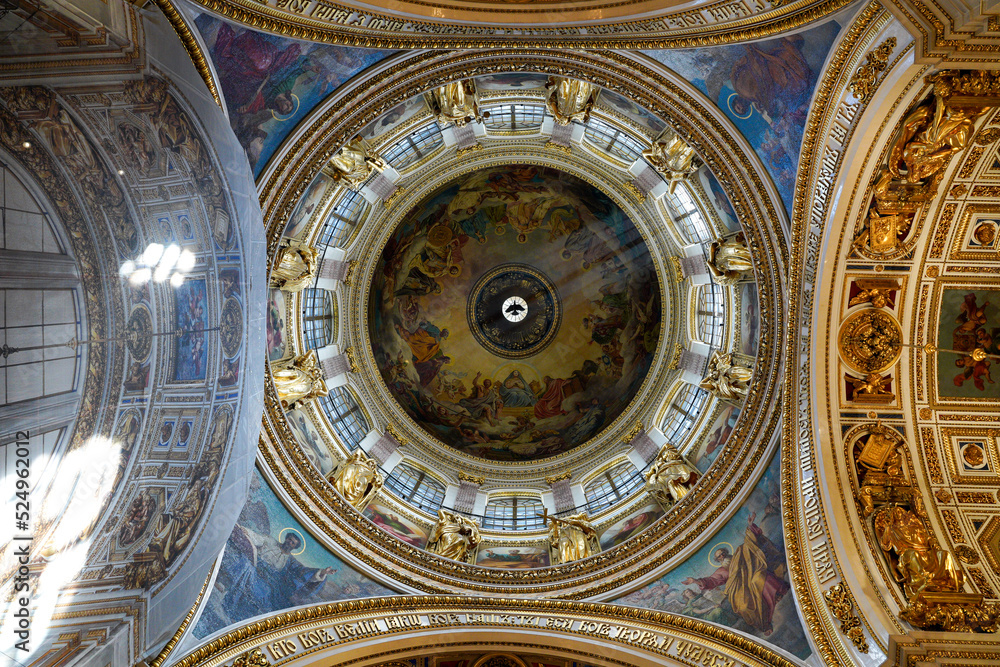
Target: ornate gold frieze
863 82
841 603
675 359
711 24
376 622
462 477
553 146
558 478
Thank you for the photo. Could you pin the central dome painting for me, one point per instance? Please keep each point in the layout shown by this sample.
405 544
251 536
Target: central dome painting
514 313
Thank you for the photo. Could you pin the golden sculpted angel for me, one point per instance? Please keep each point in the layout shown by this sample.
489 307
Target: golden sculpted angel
299 379
730 261
572 538
354 163
456 102
570 99
455 537
296 268
727 380
357 479
670 156
670 477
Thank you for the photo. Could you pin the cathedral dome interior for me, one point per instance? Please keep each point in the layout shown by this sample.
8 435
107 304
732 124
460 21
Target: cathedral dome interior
451 333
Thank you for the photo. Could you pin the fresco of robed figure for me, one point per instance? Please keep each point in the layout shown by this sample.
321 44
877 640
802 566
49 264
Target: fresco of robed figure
590 282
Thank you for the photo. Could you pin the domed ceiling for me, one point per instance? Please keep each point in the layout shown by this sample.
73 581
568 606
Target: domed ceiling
515 312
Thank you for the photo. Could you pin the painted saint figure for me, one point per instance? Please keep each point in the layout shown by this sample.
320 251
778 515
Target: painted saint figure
748 575
265 576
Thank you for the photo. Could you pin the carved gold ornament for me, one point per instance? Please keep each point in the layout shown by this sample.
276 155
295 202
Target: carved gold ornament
670 477
252 658
872 388
354 163
456 102
298 380
571 538
863 82
570 99
726 380
672 157
927 138
870 341
730 261
841 604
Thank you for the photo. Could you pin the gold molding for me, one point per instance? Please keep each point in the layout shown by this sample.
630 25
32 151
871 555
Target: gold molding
686 28
652 633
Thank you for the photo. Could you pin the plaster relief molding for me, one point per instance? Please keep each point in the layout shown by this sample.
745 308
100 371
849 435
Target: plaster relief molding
954 33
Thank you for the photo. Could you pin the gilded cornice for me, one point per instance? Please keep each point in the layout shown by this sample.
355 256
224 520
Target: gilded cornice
712 24
686 526
308 633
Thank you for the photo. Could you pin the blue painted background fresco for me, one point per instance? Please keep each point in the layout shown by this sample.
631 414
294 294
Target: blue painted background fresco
271 563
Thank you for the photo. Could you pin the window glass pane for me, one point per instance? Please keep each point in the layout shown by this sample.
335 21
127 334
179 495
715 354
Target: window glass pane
345 417
613 141
410 149
514 513
416 487
710 315
612 486
317 317
514 117
687 216
347 212
683 413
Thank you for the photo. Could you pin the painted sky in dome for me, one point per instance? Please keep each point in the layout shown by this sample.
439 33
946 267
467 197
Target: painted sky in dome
480 400
271 83
764 88
739 579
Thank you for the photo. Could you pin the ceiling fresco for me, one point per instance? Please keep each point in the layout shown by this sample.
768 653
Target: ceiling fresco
515 360
764 88
271 83
272 562
739 578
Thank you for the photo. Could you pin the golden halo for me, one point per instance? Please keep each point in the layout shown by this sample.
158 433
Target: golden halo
295 110
711 552
729 103
302 540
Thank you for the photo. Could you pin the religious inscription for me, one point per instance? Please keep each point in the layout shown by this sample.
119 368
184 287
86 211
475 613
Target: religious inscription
640 637
713 14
